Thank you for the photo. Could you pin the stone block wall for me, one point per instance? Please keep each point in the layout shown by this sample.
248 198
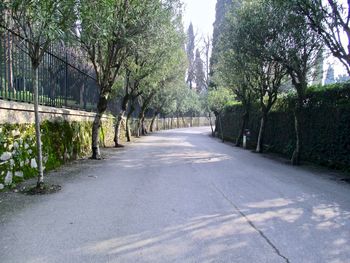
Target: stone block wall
66 135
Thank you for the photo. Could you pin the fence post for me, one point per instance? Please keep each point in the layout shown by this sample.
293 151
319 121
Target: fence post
66 78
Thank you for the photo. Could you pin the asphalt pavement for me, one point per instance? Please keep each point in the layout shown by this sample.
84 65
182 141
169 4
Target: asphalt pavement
180 196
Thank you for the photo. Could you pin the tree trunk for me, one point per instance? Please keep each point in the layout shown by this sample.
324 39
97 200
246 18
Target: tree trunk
139 124
128 132
178 121
101 108
221 129
143 126
296 158
117 129
211 125
216 130
183 121
260 144
138 131
35 76
245 119
152 122
95 136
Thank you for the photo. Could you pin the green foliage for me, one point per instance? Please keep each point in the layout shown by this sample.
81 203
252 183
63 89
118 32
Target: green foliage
330 20
218 99
62 142
326 125
41 22
110 31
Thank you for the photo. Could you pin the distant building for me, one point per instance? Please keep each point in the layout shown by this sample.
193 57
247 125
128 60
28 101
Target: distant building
329 75
317 74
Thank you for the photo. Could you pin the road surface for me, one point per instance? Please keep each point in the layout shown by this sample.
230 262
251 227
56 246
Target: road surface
180 196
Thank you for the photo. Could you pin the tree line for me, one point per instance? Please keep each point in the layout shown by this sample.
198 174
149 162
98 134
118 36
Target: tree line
135 47
263 48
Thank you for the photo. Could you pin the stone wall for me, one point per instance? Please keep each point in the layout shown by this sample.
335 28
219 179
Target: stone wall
66 135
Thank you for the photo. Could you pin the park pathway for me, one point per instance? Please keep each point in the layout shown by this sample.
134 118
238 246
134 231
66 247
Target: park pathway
180 196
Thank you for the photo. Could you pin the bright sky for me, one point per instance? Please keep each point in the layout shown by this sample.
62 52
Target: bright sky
202 15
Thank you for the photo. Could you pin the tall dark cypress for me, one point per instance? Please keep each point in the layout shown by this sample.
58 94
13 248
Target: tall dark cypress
190 55
222 7
199 72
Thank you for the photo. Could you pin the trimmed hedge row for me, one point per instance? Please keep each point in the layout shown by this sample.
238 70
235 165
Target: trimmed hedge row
326 125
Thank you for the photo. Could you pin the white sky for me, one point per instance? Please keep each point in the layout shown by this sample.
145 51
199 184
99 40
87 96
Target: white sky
202 15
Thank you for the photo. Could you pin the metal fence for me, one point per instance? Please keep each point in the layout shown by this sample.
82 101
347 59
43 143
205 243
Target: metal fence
65 78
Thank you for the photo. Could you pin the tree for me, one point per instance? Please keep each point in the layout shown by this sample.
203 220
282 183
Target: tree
296 47
330 19
40 23
226 68
221 8
150 55
207 47
190 55
164 100
107 29
217 100
170 70
187 102
199 75
233 73
250 40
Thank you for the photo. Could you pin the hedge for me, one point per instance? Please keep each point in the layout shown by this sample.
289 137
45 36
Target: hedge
326 125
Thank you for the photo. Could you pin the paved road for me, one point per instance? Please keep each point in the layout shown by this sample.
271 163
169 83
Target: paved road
180 196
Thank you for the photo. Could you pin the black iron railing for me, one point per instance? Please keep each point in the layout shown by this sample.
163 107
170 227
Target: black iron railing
65 77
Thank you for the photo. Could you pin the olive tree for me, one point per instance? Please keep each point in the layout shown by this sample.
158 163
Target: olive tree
106 30
296 47
40 23
330 19
148 54
253 43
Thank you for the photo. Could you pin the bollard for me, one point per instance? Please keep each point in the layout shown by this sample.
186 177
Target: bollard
246 138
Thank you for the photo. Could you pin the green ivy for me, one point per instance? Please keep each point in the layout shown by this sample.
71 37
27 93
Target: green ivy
62 142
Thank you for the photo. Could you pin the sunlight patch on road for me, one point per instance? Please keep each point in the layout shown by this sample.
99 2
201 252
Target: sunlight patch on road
209 233
329 216
278 202
166 142
196 157
289 215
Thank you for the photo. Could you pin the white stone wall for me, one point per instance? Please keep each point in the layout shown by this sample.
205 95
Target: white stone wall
12 112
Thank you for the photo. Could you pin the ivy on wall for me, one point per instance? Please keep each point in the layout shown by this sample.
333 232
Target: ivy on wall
62 142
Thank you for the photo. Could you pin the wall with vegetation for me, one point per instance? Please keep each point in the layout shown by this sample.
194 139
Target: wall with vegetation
326 125
63 141
66 136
